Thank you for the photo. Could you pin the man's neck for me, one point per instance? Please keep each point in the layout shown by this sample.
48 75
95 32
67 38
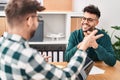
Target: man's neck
19 31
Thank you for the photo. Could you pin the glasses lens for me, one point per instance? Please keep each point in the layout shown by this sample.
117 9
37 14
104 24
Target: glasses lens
84 18
88 19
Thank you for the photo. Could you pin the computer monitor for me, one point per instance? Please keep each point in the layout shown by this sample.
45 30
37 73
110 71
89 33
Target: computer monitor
39 33
3 4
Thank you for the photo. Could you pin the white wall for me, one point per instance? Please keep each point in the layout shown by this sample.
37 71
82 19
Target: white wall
110 12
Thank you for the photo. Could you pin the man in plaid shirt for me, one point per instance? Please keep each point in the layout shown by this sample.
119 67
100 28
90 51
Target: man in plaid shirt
20 62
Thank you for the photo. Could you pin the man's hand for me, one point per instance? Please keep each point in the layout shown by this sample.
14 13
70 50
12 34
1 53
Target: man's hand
89 40
46 57
93 42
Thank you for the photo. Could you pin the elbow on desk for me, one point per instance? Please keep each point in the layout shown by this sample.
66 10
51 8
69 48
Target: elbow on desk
111 63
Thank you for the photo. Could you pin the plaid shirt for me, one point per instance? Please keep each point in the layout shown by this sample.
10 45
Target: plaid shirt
20 62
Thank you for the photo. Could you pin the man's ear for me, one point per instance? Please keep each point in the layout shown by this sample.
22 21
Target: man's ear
29 22
97 22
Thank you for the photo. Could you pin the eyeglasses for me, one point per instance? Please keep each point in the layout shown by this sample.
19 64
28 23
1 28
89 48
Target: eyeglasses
38 18
88 19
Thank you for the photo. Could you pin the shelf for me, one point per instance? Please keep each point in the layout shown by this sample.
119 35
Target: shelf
61 12
55 22
53 12
2 13
48 42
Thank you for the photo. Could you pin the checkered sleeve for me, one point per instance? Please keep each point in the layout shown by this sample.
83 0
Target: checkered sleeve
38 69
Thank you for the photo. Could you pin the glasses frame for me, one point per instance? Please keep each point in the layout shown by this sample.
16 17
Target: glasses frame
88 19
38 18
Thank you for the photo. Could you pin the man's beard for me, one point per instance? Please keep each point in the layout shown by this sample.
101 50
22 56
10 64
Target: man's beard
32 34
91 28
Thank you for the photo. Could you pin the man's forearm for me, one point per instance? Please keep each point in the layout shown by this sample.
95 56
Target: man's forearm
107 56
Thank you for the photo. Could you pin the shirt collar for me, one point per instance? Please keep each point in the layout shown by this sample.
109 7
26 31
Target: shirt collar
13 37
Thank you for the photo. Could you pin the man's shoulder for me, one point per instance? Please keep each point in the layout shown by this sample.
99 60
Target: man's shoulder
100 31
106 36
79 31
29 51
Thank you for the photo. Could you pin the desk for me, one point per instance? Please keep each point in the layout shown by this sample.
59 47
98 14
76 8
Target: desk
111 73
59 64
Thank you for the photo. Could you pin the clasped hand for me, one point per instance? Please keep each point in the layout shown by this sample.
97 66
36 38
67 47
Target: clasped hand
89 40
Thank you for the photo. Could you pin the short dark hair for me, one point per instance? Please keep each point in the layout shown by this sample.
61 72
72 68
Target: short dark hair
16 9
93 10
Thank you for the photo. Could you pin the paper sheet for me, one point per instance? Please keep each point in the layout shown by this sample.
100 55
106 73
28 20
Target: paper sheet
59 66
96 70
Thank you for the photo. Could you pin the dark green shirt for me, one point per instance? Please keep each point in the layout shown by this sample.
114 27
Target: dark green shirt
104 52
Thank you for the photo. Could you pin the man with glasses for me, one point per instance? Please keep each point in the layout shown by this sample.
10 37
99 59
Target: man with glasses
20 62
100 50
